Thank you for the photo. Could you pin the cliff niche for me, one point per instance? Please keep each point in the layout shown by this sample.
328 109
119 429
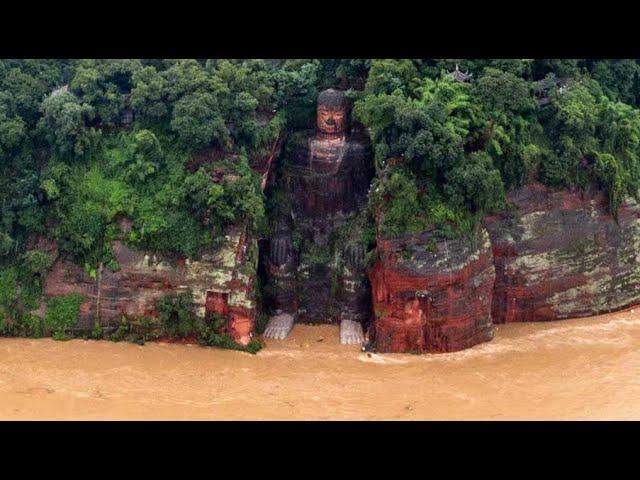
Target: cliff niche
315 263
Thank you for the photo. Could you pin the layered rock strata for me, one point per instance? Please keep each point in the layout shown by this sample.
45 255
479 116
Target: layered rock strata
222 281
561 254
432 295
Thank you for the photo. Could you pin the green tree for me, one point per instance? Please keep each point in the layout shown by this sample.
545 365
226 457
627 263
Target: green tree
12 127
619 79
143 157
103 85
296 91
387 76
198 123
476 184
148 95
64 124
25 92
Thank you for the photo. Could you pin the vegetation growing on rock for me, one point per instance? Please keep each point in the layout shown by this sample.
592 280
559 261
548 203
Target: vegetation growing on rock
168 144
460 145
62 314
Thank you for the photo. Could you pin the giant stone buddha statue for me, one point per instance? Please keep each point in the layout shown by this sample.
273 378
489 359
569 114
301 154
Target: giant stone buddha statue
315 267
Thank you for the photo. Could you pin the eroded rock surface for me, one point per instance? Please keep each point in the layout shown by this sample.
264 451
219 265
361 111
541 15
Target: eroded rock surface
432 295
561 254
221 281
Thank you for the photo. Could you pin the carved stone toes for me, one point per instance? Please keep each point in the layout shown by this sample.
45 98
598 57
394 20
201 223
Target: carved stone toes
279 326
351 333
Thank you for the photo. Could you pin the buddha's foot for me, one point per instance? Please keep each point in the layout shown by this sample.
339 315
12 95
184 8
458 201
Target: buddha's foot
351 333
279 326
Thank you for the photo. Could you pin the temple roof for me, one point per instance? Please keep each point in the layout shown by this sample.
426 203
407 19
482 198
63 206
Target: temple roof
460 76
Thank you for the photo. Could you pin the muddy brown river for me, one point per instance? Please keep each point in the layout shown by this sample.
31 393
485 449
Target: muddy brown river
572 369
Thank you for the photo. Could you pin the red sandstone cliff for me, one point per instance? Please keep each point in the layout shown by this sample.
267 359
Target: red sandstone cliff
550 255
560 254
557 254
432 296
218 280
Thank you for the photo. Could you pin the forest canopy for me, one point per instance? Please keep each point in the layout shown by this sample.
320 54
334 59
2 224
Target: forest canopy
460 133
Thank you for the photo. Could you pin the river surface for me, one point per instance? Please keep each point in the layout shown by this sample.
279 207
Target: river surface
572 369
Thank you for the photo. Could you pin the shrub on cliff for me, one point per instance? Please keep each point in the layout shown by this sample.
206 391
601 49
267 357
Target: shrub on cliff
212 335
8 294
143 157
234 198
177 319
594 140
62 314
404 208
175 312
20 290
38 262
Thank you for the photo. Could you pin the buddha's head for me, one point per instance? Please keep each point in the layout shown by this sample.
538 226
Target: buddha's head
332 112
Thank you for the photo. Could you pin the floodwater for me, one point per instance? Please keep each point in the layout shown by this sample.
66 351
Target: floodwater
573 369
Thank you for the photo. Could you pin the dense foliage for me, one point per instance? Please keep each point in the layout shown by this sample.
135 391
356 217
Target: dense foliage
165 144
62 314
168 144
446 150
73 164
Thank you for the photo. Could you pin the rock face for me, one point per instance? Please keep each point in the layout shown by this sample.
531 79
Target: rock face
315 264
549 255
556 254
222 279
560 254
432 295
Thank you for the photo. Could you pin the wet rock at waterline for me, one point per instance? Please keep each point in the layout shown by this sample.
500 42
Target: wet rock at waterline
431 294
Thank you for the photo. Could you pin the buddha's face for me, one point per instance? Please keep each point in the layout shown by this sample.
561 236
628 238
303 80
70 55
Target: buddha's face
331 119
